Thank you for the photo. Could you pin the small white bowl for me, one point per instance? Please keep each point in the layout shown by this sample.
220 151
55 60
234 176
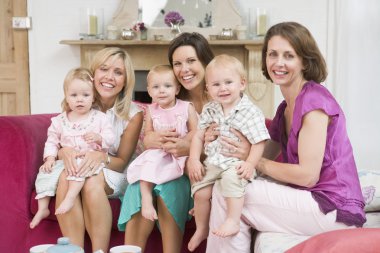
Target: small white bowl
125 249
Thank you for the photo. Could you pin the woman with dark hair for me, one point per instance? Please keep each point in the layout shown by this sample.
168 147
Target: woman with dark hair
316 187
188 54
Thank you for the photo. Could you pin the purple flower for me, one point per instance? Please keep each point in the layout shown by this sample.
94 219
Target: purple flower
139 26
173 17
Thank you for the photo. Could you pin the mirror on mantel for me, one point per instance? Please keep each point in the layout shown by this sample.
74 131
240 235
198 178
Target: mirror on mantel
224 14
196 13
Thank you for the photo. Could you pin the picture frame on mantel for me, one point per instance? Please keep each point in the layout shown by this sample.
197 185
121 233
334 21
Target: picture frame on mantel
225 14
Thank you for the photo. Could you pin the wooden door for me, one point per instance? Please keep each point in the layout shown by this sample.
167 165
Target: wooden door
14 60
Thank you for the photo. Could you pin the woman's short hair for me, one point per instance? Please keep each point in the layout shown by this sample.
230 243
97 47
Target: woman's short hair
305 47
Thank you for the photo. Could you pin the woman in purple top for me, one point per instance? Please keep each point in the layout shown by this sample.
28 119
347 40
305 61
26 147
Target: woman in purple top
316 187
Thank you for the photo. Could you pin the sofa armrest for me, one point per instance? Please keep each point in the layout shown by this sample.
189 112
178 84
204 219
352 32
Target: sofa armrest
21 149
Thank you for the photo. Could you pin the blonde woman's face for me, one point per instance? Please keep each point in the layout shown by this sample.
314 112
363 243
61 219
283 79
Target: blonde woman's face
109 78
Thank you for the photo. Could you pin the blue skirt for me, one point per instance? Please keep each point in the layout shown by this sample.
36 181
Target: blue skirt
176 195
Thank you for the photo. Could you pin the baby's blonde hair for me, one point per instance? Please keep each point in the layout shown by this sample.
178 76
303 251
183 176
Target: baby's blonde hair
80 74
162 68
227 61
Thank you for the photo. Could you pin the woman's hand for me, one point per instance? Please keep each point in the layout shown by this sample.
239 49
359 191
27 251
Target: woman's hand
176 146
156 139
68 156
239 149
91 160
195 169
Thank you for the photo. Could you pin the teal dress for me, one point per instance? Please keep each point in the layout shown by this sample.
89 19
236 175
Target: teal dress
175 194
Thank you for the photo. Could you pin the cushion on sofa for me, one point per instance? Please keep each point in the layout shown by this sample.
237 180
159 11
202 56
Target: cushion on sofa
364 240
370 184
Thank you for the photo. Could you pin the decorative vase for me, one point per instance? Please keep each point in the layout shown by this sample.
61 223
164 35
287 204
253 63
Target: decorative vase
175 30
144 34
127 34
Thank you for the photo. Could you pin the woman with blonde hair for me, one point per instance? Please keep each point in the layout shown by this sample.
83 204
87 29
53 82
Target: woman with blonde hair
114 81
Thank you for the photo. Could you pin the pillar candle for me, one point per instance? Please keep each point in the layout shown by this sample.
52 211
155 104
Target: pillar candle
92 25
261 27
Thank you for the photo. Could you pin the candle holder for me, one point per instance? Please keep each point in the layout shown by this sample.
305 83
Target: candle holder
91 23
257 22
261 21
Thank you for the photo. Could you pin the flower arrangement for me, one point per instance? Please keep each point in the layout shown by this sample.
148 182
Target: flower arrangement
174 18
139 26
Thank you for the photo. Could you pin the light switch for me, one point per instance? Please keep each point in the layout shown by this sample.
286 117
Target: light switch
21 22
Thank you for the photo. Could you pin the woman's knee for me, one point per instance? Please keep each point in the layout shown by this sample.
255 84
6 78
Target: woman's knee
94 185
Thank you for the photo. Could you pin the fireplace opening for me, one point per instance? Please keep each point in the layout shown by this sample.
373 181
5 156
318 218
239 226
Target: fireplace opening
140 92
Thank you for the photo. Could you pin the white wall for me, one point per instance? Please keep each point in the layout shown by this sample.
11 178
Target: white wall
55 20
49 61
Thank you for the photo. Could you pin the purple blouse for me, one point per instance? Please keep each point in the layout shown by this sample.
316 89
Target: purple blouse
338 186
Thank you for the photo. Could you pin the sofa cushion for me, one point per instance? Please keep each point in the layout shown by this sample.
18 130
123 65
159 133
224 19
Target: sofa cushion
370 184
271 242
343 240
373 220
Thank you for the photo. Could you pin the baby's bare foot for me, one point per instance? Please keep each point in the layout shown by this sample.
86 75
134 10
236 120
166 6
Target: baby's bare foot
228 228
197 238
40 215
65 206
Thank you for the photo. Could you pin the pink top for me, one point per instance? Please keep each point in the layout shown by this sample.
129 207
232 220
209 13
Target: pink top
63 133
338 187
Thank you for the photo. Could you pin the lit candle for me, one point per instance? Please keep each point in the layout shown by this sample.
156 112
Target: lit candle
261 27
92 25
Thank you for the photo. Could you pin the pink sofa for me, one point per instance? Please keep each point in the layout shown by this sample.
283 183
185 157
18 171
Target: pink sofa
22 140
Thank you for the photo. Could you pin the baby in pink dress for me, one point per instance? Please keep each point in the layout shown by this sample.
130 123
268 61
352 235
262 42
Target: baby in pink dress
79 126
156 166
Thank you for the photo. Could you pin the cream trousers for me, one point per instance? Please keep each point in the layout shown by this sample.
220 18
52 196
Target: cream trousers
269 207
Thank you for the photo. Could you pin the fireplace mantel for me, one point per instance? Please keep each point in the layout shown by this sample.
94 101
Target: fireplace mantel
145 54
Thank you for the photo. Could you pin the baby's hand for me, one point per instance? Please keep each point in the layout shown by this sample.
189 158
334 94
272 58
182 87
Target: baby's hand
245 170
196 170
92 137
48 165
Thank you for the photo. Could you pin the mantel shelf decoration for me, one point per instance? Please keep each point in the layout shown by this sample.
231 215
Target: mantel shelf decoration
147 53
141 30
174 20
